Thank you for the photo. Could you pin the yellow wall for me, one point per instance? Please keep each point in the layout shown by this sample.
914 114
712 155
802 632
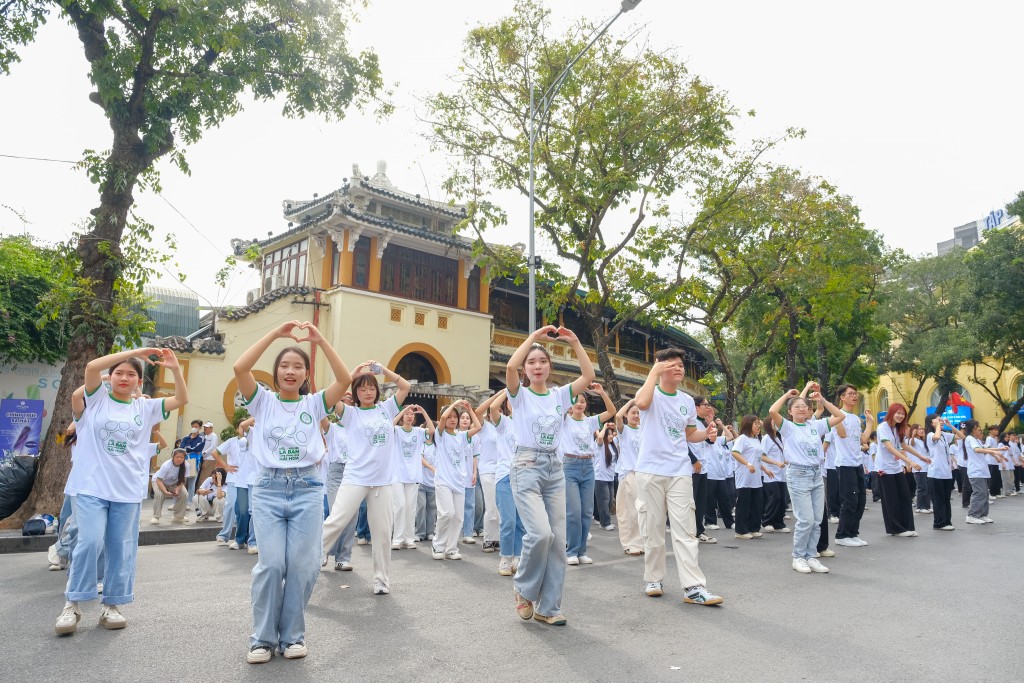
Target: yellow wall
901 390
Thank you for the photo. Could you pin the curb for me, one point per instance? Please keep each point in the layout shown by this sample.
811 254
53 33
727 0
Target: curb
148 536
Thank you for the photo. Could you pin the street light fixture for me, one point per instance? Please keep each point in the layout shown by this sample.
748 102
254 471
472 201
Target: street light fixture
541 112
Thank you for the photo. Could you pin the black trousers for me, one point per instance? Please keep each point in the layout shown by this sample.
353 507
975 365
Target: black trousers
959 480
876 488
995 480
852 498
923 499
774 505
965 492
717 500
940 491
832 492
823 529
1018 477
897 514
749 509
700 492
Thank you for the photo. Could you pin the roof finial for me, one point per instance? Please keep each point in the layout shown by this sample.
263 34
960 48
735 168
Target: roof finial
381 178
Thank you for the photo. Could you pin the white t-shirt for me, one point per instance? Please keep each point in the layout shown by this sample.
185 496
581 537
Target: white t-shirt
410 454
208 484
167 473
538 422
1015 453
286 433
577 436
505 442
473 460
802 442
707 458
957 448
337 444
629 450
750 450
774 452
938 451
113 449
991 442
830 451
663 444
603 472
486 443
372 457
453 450
430 455
918 446
886 461
846 451
977 467
236 452
872 456
212 441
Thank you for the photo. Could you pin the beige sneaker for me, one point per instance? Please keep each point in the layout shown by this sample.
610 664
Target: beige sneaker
67 622
524 608
112 619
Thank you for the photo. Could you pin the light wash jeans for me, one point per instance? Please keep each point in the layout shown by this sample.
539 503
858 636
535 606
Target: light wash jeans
469 511
342 549
511 526
229 513
288 507
245 530
538 486
807 491
68 538
110 528
426 512
579 503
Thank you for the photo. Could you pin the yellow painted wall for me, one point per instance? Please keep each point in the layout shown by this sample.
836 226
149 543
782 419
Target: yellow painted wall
900 388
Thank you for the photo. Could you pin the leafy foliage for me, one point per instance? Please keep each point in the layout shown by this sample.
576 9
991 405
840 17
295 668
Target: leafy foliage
28 274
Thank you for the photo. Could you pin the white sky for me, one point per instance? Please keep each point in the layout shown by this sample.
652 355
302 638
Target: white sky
912 108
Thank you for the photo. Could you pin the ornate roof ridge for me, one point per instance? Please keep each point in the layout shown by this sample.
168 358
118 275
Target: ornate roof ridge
208 345
432 204
264 301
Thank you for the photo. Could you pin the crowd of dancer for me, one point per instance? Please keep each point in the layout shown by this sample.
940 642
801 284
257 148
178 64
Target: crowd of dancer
306 466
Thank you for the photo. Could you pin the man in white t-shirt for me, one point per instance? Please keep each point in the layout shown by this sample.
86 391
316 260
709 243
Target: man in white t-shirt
664 475
851 467
212 441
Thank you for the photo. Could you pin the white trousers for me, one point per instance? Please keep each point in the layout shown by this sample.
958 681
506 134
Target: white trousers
450 511
206 507
379 515
491 519
403 497
657 496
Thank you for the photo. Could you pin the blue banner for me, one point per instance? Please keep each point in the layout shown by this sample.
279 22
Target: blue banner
21 426
955 419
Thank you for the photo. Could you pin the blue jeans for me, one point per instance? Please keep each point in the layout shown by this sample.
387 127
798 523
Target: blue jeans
245 530
342 549
362 525
426 512
579 503
538 486
288 514
807 492
468 510
110 528
229 513
65 513
511 533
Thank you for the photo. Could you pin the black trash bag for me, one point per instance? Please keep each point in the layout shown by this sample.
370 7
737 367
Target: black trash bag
16 478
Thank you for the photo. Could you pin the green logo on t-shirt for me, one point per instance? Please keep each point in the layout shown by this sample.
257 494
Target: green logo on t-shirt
138 420
306 418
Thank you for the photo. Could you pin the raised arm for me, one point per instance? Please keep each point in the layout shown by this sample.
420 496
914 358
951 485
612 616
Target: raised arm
95 369
476 427
180 398
838 415
587 374
645 395
342 377
775 411
865 435
620 416
429 428
609 407
518 358
78 402
495 406
404 386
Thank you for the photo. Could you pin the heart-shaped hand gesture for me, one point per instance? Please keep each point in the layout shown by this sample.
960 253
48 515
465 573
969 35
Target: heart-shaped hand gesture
167 359
287 330
565 334
546 332
596 388
313 335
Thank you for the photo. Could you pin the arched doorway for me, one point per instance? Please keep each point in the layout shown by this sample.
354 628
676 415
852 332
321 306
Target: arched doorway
416 367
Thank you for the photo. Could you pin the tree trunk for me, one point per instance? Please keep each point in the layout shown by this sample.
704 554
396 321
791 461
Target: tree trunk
99 254
792 342
824 370
1015 408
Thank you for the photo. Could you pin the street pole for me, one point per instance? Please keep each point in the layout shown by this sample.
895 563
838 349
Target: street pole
545 103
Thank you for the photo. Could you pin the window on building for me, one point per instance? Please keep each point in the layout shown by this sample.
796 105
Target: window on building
510 311
883 401
631 343
936 395
420 276
473 292
575 323
285 267
361 263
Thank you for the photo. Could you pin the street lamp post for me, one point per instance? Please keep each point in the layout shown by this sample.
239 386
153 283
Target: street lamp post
540 110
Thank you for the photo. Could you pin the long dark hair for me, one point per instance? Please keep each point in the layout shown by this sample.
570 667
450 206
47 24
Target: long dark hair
769 428
181 468
304 387
609 455
223 476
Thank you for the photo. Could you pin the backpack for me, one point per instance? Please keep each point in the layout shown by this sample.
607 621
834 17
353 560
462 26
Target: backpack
34 527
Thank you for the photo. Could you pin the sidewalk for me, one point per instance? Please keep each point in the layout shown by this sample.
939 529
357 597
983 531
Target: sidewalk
12 541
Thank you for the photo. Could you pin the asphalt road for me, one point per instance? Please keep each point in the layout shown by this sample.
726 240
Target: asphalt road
941 606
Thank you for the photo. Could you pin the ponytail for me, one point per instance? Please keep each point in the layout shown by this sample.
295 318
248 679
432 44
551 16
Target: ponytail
609 457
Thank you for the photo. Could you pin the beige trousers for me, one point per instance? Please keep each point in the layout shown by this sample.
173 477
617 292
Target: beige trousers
379 515
657 496
626 514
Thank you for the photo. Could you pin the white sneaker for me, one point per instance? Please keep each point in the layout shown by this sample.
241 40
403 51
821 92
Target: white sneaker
343 566
409 545
452 555
253 550
744 536
768 529
817 567
436 554
847 542
396 545
99 587
380 589
757 534
860 541
323 561
610 527
974 520
585 560
907 534
948 527
704 538
991 499
259 654
988 520
52 557
233 545
801 565
833 520
653 589
221 541
515 564
572 560
505 566
827 552
713 527
362 541
67 622
785 530
155 521
590 536
111 619
296 651
469 540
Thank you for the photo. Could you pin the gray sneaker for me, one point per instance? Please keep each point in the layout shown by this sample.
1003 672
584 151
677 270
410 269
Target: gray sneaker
704 538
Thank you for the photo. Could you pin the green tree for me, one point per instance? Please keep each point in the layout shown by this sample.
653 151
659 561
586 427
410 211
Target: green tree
923 306
995 306
631 134
28 273
164 72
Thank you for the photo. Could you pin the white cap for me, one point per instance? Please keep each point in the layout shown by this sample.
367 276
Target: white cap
208 424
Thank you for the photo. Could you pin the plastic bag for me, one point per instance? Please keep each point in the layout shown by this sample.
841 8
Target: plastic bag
16 478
